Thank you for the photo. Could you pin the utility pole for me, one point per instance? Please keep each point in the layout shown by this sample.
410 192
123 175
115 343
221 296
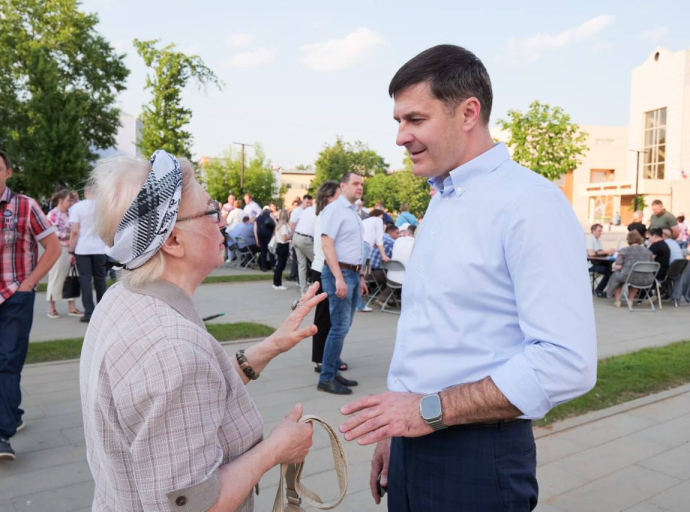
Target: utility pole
637 174
242 172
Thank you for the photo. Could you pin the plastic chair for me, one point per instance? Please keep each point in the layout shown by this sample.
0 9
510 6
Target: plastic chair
247 257
667 284
393 286
642 272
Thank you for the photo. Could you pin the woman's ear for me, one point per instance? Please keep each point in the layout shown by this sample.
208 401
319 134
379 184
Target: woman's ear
174 245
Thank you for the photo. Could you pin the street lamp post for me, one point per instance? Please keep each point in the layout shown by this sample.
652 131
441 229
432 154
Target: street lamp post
637 175
242 169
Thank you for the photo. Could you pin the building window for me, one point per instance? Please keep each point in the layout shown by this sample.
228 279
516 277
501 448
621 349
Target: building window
654 145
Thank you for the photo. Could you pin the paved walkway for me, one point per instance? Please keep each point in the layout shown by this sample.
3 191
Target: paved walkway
638 458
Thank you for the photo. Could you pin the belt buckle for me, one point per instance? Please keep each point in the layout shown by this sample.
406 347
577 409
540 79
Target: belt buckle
357 268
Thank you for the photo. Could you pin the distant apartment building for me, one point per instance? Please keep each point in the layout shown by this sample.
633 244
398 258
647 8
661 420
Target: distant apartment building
652 151
296 182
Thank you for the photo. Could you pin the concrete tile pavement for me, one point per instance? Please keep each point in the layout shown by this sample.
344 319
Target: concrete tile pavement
583 465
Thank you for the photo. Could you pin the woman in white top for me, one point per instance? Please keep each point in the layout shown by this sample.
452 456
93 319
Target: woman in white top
282 234
328 192
373 233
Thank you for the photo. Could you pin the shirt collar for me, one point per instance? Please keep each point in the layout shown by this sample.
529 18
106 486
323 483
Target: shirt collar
172 295
463 176
6 195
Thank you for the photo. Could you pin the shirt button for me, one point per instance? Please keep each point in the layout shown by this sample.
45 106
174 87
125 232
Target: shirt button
422 270
181 501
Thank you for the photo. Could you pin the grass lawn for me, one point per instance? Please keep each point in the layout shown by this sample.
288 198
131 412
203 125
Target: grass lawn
242 278
630 376
60 350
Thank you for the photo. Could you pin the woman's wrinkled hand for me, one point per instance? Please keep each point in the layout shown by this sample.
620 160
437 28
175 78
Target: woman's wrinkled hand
290 333
290 439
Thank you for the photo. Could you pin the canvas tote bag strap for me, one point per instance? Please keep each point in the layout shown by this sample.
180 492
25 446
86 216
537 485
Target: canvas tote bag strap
290 475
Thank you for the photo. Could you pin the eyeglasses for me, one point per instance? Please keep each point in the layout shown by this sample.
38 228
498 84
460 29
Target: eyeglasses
215 211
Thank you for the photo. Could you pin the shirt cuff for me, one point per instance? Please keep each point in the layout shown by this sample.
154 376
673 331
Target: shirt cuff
518 382
45 233
199 497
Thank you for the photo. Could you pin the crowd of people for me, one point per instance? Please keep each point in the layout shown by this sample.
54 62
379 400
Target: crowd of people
664 240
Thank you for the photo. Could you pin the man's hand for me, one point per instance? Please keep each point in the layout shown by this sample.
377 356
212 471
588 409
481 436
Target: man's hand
363 287
340 288
379 466
72 260
384 416
611 251
385 258
25 286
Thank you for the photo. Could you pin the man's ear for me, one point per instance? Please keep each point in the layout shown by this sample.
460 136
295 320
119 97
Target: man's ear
174 246
470 110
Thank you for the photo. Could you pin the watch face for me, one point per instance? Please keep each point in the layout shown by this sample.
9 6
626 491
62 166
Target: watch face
431 407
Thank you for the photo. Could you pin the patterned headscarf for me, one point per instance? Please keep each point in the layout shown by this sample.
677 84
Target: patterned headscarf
150 218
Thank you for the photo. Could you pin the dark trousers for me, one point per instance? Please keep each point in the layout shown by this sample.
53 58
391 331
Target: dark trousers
265 258
606 271
282 252
91 267
16 317
322 320
469 468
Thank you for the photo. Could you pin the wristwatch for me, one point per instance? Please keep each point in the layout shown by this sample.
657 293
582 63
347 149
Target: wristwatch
431 412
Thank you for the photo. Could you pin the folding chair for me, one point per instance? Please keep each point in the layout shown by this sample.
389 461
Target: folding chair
642 272
372 284
248 259
233 251
393 286
668 283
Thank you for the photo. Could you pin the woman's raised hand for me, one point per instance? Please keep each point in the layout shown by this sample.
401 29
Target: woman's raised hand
290 333
290 439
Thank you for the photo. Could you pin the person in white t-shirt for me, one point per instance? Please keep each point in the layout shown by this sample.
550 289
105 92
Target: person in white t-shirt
402 250
303 239
252 208
87 251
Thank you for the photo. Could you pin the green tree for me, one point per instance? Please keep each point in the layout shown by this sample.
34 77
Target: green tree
397 188
221 176
58 82
342 157
164 118
545 140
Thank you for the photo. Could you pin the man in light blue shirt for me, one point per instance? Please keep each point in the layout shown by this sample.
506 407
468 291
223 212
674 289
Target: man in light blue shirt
342 241
497 323
676 251
405 216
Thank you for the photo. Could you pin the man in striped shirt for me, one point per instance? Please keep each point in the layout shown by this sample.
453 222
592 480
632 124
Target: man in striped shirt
23 226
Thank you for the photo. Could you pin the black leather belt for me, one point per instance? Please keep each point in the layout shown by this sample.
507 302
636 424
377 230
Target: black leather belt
349 266
302 234
488 424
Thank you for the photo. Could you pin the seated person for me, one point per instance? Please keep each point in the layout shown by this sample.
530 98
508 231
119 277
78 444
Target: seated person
637 224
626 258
389 237
595 249
676 251
661 251
245 230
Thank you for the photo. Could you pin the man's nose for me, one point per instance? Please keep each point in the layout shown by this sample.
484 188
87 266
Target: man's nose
404 136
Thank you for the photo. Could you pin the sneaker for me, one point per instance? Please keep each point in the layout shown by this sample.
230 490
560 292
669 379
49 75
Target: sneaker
85 319
6 451
20 425
365 309
281 287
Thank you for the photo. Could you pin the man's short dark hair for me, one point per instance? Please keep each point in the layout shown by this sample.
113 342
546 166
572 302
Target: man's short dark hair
596 226
5 159
307 196
657 202
390 227
245 218
453 73
347 177
411 228
404 207
656 232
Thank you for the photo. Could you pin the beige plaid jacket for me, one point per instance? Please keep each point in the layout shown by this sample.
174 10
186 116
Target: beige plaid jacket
163 405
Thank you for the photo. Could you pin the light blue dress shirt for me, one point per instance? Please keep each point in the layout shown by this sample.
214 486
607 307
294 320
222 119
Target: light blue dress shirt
497 286
339 221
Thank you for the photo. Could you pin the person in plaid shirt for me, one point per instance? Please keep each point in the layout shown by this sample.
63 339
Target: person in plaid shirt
23 225
389 237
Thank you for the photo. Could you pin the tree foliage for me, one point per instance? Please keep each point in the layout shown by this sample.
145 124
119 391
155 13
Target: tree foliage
58 82
221 176
342 157
545 140
397 188
164 118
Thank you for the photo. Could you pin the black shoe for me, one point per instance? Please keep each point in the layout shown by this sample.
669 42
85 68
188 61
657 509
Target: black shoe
20 425
346 382
6 451
600 294
334 387
85 319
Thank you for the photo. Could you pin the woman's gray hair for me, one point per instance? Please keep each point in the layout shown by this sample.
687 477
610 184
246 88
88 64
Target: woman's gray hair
116 182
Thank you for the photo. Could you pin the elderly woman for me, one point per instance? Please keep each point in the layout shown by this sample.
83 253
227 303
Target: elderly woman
168 422
626 258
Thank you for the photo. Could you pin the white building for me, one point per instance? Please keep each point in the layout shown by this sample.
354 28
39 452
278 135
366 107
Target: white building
658 133
127 138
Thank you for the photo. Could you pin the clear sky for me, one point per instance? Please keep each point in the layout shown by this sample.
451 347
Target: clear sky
297 74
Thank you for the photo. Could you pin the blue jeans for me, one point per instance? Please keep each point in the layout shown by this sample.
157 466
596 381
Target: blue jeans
342 312
16 317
